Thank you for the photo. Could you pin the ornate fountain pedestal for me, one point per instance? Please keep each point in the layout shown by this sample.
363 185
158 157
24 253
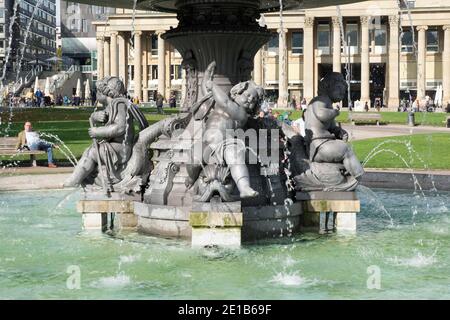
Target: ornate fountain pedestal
329 211
206 151
99 212
216 223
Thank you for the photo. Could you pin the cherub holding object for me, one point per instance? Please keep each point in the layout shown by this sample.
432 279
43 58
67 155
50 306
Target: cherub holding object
228 112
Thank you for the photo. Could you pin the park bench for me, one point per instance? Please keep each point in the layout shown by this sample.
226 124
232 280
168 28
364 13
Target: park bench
8 148
364 117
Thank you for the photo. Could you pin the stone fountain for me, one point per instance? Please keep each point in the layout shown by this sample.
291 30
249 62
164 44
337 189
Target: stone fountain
214 173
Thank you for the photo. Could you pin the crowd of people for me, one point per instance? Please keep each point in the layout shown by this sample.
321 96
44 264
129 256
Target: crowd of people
38 99
416 105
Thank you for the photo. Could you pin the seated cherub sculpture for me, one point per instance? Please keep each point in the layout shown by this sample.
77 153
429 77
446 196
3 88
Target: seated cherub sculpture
115 137
226 112
322 160
326 140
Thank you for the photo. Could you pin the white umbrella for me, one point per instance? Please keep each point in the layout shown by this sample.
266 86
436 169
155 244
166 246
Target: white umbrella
47 87
87 92
36 84
78 91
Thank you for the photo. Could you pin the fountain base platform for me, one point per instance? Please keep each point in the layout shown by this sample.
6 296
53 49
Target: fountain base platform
219 223
99 212
320 209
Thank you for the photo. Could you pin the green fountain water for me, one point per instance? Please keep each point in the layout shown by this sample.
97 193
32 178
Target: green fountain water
42 242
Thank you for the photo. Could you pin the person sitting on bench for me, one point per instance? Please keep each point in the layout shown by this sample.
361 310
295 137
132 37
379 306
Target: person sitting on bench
29 139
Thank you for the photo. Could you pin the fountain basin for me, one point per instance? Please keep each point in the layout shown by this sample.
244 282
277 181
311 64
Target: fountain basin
41 239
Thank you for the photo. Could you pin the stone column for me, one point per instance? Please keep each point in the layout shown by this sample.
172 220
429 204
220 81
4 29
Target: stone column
421 61
100 57
106 55
282 70
365 62
145 69
336 45
137 65
308 59
161 64
446 66
393 64
123 57
114 57
257 72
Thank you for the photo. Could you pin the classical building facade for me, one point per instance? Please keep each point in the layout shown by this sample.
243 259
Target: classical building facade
386 52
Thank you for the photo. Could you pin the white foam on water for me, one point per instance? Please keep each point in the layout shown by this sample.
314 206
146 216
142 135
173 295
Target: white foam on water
289 261
419 260
369 253
442 230
441 209
288 279
294 279
117 281
186 275
44 225
154 260
129 259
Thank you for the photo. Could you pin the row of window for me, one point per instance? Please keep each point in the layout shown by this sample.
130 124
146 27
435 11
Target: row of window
175 71
38 51
74 8
24 20
377 36
39 13
78 25
36 39
29 49
46 4
432 38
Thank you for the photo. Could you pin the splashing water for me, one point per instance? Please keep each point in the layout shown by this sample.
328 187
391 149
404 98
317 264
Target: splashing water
8 50
117 281
411 24
282 58
288 279
27 32
346 48
419 260
22 52
378 204
413 154
73 160
131 41
416 182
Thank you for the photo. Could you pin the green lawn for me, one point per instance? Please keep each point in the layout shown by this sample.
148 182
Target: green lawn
70 125
421 151
421 118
